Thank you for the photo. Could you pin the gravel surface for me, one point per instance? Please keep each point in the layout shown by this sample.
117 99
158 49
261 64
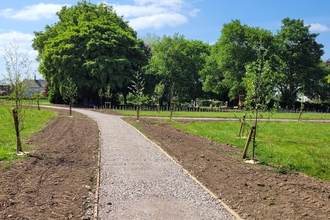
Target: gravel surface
138 181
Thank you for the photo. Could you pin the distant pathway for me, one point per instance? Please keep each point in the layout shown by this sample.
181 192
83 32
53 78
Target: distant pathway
138 181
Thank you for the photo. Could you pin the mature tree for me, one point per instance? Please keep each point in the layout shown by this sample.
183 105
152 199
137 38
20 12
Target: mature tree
150 39
318 88
298 55
92 45
213 77
68 90
176 63
235 48
18 68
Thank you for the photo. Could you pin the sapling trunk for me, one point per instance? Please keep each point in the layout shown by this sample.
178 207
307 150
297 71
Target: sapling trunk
171 112
70 106
137 112
241 129
18 137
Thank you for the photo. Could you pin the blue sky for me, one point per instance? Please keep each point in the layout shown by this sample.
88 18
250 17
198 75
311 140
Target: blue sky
195 19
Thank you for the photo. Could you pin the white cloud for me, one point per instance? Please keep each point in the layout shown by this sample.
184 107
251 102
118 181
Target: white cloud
318 27
134 11
33 12
194 12
158 21
156 13
24 42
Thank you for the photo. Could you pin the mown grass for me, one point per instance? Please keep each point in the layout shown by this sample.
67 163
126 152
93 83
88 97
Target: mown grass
35 120
300 146
230 114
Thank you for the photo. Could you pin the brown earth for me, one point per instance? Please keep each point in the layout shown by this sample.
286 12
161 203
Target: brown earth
58 180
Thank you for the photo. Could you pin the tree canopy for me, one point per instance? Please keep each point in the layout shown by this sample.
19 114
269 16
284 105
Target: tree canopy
299 55
176 63
226 65
92 45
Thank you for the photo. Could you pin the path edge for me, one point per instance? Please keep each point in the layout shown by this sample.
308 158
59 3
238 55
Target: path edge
194 178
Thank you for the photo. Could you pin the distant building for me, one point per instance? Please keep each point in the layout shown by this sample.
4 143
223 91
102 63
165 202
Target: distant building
35 86
303 98
327 62
4 89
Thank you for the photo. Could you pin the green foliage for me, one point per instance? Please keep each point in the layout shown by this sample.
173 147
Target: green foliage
107 93
298 56
235 48
137 89
234 115
159 91
68 90
206 103
260 82
176 63
92 45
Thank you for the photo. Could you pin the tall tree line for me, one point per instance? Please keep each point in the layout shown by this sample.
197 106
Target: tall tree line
94 47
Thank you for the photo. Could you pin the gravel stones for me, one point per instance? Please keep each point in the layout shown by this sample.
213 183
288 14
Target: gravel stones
138 181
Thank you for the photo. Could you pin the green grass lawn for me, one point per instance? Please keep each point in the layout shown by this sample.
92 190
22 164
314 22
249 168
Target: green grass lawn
231 114
34 121
300 146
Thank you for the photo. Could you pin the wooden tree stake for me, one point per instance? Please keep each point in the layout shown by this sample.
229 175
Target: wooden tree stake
253 128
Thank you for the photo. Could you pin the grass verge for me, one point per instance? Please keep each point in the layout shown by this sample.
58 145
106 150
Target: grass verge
35 120
229 114
300 146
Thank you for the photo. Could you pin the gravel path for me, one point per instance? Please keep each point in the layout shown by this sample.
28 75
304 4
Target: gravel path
138 180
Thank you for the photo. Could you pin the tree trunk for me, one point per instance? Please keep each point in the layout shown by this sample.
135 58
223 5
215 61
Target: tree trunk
70 106
171 114
137 112
125 98
18 138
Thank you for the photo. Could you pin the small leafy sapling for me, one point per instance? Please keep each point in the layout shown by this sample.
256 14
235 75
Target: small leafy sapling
101 94
18 67
260 83
159 91
108 94
69 92
137 89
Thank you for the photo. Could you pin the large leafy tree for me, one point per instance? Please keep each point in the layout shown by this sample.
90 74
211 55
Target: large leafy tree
92 45
299 56
225 68
176 63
